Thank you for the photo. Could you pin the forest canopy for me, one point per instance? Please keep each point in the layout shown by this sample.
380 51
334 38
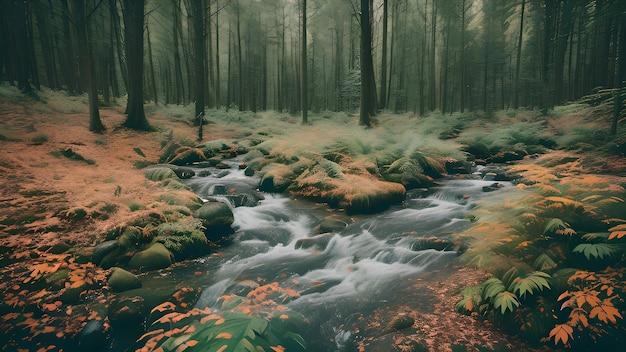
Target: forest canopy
428 55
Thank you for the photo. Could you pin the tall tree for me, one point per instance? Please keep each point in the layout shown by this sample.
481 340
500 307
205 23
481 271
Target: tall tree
133 11
366 64
304 99
518 60
382 103
86 64
199 59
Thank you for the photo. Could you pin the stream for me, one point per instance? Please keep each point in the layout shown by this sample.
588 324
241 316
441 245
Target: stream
350 273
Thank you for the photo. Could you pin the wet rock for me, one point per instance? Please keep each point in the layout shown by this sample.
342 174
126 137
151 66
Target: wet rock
459 167
400 322
127 313
272 235
330 224
492 187
183 172
318 242
507 156
156 256
276 178
438 244
102 250
93 336
182 240
215 216
121 280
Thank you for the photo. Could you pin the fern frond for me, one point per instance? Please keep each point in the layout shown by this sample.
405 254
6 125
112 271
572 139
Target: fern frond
505 301
544 262
595 250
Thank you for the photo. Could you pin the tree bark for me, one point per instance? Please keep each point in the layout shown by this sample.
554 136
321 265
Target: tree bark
383 64
518 60
304 99
366 64
87 67
133 11
199 59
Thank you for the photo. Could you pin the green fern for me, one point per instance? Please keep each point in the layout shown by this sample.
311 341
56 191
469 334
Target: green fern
544 262
505 301
530 284
235 331
596 250
471 300
553 226
596 236
510 276
491 288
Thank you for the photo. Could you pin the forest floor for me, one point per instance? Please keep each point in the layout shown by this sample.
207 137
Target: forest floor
42 185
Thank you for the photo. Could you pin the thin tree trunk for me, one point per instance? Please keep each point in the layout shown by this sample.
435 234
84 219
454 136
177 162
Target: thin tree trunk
199 60
366 64
383 65
518 60
152 73
304 99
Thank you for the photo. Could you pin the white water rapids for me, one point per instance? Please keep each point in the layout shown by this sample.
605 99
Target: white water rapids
357 270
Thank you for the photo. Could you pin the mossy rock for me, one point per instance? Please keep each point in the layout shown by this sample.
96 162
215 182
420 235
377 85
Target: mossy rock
215 215
183 239
159 173
174 184
121 280
188 200
400 322
276 178
156 256
132 237
183 172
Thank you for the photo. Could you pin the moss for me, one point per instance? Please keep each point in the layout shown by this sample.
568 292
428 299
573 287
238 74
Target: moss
159 173
182 241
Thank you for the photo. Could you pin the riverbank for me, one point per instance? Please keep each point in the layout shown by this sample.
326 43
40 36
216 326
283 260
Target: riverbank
56 207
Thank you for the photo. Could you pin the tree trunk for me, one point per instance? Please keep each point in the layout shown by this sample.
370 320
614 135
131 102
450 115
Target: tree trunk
366 64
518 60
304 99
383 65
199 60
87 67
152 73
133 11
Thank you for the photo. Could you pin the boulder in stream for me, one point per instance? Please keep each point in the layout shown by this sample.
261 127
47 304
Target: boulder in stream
156 256
121 280
318 242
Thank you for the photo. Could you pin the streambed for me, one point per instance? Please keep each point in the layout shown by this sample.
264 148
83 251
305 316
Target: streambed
349 274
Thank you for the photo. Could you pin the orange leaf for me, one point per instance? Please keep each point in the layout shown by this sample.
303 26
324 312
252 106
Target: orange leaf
224 335
163 307
561 332
617 234
278 348
222 349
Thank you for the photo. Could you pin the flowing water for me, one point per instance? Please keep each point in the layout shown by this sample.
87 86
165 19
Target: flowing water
357 270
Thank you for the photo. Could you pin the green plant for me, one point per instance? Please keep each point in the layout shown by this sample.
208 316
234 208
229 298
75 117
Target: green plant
39 139
252 323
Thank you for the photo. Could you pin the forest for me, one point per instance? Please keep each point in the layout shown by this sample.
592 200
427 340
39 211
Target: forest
321 175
